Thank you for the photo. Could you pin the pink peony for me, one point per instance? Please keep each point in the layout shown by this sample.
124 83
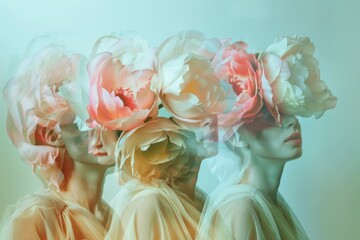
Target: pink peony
234 65
120 94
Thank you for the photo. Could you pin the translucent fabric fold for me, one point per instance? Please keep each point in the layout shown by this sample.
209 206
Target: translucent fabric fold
154 211
242 212
44 216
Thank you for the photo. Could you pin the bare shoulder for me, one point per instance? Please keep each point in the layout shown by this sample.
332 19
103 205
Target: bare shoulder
240 217
238 213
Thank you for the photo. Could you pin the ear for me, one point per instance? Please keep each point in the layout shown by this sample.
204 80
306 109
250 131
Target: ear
48 136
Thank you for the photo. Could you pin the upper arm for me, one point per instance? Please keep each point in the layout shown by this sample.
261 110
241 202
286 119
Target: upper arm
147 216
239 218
22 226
153 216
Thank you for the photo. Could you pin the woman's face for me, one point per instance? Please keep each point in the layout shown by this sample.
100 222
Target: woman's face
268 140
93 146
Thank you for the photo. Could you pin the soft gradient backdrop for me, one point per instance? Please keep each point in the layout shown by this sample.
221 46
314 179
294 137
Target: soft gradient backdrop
322 187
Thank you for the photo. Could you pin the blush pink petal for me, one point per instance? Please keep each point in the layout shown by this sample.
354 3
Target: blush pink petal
112 75
128 122
145 98
120 89
109 106
234 65
96 65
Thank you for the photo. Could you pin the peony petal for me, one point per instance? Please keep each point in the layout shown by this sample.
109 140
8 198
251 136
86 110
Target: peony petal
272 66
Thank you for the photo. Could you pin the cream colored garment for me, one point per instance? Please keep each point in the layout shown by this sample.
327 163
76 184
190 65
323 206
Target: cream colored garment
241 212
154 211
45 216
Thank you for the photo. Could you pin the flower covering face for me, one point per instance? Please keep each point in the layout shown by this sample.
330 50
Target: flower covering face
234 65
35 108
159 149
285 79
291 79
186 83
120 74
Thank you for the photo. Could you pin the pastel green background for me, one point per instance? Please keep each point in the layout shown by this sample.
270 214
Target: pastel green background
322 187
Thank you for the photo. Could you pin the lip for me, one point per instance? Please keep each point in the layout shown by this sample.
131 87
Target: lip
296 136
100 154
212 138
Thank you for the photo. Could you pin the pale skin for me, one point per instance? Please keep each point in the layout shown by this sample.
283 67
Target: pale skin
270 146
84 172
208 137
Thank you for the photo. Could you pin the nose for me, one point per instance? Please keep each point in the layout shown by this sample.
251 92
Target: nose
291 121
95 141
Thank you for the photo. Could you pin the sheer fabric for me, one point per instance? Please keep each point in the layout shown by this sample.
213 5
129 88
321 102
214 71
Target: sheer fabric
242 212
44 215
154 211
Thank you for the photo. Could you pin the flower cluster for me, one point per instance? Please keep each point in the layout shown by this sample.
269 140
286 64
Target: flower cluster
194 79
283 79
199 83
128 82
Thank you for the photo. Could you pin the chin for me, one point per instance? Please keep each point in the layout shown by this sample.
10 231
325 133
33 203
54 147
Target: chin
297 154
106 161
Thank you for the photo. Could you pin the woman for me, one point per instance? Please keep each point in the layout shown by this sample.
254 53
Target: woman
251 207
72 163
158 168
261 133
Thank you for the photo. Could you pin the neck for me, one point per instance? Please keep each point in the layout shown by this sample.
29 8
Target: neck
265 175
188 186
84 184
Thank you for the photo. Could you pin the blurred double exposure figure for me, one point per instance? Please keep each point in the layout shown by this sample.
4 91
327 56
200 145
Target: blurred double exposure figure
259 135
169 98
71 162
151 116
